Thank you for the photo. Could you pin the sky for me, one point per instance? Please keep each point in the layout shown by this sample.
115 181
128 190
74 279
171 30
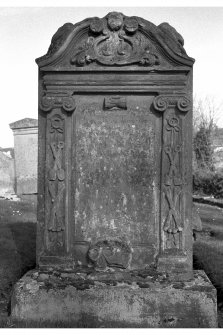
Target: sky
26 32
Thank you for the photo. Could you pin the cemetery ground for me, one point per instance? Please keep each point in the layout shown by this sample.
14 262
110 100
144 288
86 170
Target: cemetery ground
18 250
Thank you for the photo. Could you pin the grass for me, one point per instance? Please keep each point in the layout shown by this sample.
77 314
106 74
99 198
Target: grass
17 245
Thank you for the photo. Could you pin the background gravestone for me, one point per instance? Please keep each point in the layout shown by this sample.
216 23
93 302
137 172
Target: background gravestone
25 133
7 174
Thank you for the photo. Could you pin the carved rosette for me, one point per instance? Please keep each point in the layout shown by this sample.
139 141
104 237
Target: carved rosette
172 188
55 100
115 40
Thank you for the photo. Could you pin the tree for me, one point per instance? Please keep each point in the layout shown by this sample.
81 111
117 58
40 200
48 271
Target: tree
205 114
203 149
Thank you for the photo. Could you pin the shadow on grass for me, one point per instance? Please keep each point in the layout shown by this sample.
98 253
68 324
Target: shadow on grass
210 259
24 236
208 249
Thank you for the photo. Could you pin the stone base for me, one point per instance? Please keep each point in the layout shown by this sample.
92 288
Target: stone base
115 300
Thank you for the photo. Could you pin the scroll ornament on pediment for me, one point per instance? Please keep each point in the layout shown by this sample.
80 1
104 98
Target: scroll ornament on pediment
115 41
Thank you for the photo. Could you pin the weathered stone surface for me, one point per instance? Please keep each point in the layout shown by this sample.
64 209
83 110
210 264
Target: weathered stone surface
43 276
159 304
116 178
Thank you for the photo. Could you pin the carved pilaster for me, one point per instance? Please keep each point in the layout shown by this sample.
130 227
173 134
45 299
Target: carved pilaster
55 103
172 225
55 182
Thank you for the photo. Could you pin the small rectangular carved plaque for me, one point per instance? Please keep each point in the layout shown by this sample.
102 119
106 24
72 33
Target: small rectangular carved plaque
115 102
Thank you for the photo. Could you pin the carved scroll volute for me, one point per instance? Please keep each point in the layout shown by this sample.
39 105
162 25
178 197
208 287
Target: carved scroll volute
58 106
173 175
63 100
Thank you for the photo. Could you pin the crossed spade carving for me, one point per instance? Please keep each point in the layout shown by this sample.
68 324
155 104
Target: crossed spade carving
56 172
173 214
172 155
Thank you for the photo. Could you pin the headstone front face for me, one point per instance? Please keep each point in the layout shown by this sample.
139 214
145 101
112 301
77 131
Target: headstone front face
115 128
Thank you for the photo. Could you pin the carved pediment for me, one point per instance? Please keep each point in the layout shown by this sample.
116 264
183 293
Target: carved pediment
115 40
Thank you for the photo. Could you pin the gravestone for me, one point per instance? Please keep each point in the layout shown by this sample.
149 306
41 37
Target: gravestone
7 174
115 134
25 133
115 180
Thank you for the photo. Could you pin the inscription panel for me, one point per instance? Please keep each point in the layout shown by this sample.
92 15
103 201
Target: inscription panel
117 173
